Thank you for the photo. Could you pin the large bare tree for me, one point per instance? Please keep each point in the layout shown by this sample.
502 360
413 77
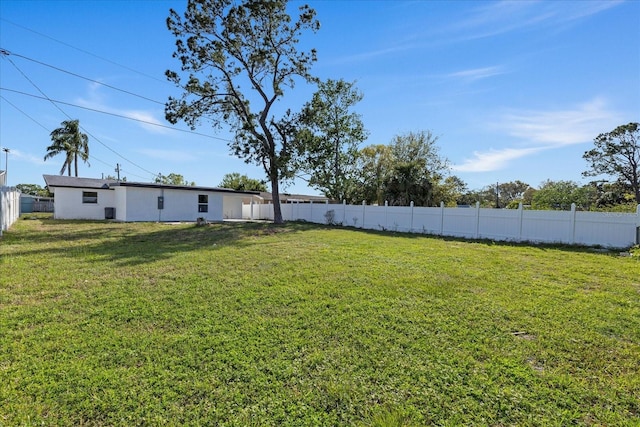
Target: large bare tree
238 58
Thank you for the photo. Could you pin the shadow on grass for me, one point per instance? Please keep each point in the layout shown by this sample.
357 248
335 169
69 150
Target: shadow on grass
489 242
138 243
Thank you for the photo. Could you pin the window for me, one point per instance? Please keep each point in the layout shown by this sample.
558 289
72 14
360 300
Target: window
89 197
203 203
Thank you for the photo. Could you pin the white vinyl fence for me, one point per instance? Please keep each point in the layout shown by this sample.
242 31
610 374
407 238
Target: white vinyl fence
608 229
9 207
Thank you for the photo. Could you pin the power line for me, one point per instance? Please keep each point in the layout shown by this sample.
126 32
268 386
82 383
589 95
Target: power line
91 156
85 51
115 114
6 52
28 116
69 117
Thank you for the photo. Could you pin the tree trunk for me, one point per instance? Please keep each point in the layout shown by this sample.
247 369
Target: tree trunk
275 197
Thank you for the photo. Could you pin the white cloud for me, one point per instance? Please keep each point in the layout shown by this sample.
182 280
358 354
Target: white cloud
19 155
541 131
559 127
502 17
493 159
146 119
477 73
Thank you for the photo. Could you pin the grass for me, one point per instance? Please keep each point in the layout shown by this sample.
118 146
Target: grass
253 324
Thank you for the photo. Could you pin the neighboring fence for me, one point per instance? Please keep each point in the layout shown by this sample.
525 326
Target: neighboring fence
29 204
9 207
609 229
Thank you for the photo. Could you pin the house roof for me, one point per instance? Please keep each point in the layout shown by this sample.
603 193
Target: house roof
53 181
75 182
184 187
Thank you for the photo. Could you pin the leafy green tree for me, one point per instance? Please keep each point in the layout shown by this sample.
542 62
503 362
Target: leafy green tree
68 140
451 191
236 181
408 183
331 133
511 192
409 169
416 157
173 179
527 196
486 196
33 190
561 194
241 56
374 164
617 154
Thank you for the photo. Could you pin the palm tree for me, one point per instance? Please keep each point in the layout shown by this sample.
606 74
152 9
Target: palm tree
69 140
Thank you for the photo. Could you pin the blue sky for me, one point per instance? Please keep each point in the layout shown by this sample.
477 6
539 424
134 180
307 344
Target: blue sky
514 90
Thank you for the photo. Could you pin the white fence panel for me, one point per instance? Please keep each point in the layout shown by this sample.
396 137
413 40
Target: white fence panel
374 217
499 224
352 215
317 212
546 226
427 220
460 222
569 227
400 218
605 228
9 207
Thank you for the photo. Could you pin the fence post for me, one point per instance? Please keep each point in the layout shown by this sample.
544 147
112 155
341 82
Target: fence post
344 213
386 214
441 218
326 209
638 225
477 220
2 210
573 223
411 229
363 209
520 219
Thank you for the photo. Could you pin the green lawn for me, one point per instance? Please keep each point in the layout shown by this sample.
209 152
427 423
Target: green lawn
253 324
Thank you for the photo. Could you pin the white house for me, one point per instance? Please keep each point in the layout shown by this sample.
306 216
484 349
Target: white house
87 198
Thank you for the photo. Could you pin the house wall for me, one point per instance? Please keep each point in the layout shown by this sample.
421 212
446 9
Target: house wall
179 205
68 203
120 203
232 207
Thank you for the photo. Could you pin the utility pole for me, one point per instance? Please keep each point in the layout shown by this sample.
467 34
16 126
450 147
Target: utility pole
6 165
118 170
497 196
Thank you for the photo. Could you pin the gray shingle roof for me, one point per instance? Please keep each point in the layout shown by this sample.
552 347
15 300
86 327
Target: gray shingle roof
53 181
74 182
